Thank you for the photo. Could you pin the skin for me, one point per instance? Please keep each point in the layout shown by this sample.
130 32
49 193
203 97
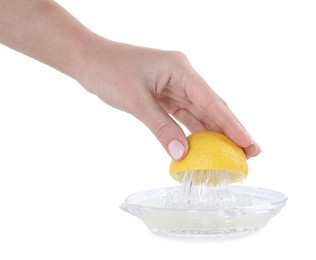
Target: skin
156 83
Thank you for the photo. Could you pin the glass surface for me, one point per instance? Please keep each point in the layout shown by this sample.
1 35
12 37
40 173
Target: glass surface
206 221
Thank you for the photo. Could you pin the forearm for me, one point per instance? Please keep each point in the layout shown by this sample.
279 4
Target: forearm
148 83
44 31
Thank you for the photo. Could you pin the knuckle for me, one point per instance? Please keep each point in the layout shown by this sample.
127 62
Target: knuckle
180 67
161 129
178 58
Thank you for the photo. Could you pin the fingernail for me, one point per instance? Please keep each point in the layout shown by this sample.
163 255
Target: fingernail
250 138
259 148
175 149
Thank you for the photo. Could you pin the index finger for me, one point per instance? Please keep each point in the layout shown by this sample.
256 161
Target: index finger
215 111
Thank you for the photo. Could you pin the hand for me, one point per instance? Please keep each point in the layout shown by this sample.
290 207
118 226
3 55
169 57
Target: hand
147 83
154 84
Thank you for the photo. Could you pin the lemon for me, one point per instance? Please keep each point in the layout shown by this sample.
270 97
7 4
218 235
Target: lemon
212 151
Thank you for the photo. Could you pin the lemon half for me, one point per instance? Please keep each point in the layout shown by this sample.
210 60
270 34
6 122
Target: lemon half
212 151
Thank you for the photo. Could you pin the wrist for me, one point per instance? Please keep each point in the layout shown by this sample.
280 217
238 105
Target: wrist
79 55
94 56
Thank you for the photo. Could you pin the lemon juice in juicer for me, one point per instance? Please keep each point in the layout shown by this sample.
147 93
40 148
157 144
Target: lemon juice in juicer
206 204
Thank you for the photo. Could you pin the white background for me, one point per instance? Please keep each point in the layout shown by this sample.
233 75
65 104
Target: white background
67 161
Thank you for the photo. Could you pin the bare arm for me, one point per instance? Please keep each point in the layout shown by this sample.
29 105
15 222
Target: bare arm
147 83
44 31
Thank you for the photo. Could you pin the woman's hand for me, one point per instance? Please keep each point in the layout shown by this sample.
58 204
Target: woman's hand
147 83
154 84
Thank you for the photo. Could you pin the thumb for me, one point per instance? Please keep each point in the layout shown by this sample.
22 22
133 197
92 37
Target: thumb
166 130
